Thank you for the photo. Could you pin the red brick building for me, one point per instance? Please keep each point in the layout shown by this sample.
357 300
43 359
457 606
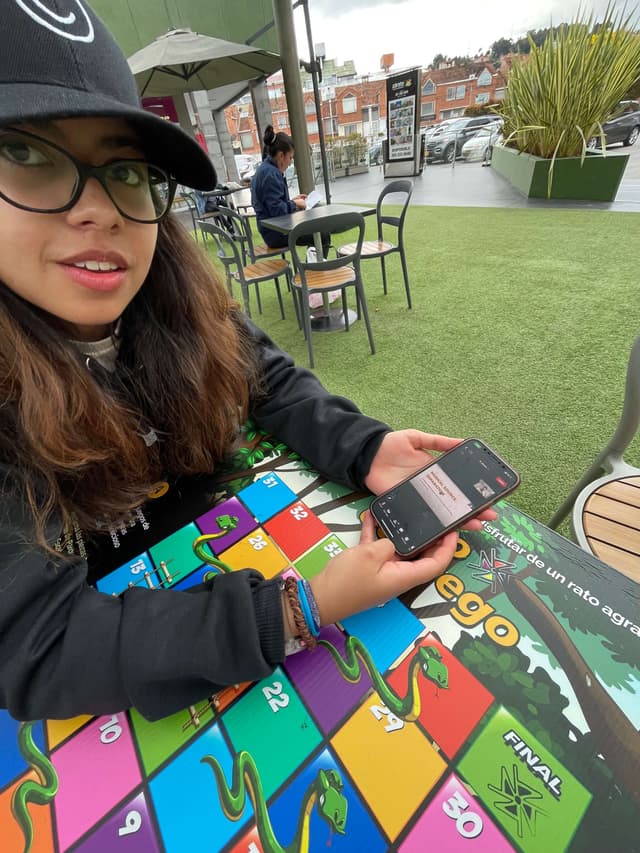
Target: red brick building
358 105
447 92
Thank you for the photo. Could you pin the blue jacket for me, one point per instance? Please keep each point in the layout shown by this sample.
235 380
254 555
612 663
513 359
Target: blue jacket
270 197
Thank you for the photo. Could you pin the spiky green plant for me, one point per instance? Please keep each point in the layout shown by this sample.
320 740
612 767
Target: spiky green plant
559 97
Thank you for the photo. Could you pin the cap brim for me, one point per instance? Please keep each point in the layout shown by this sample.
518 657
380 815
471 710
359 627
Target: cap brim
164 142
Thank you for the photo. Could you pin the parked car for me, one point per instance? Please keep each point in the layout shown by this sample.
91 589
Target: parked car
624 126
375 154
447 144
479 146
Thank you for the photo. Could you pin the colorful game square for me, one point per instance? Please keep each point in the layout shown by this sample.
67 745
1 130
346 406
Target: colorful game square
157 741
12 834
229 518
132 572
256 551
176 551
386 631
271 723
59 730
12 763
129 830
296 529
336 804
186 799
102 755
529 792
390 760
329 695
456 822
267 496
317 558
196 577
452 699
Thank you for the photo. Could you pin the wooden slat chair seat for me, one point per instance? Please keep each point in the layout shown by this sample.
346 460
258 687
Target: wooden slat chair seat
262 270
605 502
371 248
247 274
382 247
325 274
611 522
330 280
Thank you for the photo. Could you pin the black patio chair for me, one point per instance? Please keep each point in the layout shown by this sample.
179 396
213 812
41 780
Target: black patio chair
382 247
326 274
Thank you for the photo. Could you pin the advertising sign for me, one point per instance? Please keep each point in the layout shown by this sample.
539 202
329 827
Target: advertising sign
402 114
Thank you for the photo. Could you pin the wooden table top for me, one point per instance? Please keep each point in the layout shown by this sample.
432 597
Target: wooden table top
611 522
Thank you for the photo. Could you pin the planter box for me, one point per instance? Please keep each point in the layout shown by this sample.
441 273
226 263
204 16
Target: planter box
597 179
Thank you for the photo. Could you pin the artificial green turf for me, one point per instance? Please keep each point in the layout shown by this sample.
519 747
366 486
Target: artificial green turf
520 334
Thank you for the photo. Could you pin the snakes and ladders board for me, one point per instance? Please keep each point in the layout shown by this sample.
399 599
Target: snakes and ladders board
497 709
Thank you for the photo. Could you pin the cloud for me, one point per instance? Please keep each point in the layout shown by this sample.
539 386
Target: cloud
336 8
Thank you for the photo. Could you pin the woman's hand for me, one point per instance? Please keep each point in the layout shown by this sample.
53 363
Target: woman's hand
404 452
371 573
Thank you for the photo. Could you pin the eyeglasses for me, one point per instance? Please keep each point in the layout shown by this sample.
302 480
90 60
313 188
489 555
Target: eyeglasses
39 176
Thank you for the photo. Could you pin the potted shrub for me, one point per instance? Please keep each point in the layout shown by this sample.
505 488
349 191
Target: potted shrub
558 98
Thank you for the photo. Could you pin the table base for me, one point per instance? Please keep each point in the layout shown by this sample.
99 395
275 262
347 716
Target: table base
332 320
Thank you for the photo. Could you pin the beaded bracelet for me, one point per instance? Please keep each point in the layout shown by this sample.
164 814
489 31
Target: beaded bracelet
290 588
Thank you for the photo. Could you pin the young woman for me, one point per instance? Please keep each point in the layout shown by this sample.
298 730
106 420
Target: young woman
269 190
123 362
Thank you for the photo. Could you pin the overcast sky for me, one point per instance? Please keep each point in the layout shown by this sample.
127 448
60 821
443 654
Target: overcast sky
416 30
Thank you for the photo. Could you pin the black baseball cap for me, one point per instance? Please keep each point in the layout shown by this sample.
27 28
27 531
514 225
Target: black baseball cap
58 60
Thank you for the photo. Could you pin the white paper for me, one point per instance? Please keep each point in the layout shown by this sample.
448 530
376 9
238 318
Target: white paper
313 198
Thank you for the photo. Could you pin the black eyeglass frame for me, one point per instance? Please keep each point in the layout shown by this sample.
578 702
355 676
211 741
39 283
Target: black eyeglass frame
86 171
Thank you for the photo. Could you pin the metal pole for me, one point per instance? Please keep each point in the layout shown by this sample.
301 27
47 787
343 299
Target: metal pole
283 17
316 96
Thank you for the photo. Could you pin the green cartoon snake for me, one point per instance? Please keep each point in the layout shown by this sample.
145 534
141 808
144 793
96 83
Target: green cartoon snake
225 523
324 793
427 661
39 792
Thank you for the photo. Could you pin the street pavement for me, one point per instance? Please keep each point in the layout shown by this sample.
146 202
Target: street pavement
473 185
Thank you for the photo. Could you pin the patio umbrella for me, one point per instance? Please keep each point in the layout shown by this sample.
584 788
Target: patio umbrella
183 61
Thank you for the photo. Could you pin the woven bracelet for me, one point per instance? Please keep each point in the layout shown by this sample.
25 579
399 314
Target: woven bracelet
291 591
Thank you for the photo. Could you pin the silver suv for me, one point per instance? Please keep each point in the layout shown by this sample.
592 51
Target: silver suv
446 143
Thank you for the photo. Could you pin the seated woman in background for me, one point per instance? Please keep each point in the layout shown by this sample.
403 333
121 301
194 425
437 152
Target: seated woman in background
270 193
269 190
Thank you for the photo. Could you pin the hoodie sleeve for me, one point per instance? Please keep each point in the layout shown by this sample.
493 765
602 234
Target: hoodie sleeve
68 649
328 431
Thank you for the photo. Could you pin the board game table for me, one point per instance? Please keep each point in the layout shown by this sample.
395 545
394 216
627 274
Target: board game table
496 709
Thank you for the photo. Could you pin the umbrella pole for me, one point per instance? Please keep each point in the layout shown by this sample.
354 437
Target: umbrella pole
183 114
283 17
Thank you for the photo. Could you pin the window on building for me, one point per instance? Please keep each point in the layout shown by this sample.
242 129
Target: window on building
283 121
331 126
429 88
309 108
482 98
499 94
460 92
350 129
484 79
349 104
451 93
428 109
312 126
246 141
275 93
453 113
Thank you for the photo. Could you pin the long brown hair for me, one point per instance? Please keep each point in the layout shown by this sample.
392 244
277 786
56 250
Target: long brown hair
75 436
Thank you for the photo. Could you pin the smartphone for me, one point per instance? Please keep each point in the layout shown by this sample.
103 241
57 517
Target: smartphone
442 495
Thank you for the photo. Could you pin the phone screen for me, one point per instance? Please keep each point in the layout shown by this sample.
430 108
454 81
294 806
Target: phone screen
459 484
